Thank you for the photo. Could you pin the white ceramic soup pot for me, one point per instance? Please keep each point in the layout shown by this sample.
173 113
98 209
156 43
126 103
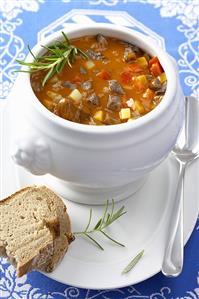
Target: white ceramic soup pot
90 164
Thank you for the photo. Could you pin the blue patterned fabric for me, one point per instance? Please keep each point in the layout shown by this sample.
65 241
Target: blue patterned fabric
173 24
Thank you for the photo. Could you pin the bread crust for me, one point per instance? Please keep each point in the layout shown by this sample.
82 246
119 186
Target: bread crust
47 257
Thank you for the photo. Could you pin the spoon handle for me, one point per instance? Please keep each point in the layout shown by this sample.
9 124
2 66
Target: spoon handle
173 258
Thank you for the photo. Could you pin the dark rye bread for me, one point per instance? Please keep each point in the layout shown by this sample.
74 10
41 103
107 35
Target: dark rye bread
35 229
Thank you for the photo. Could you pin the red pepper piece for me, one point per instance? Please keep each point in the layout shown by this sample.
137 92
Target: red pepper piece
153 60
156 69
77 79
126 75
135 68
104 75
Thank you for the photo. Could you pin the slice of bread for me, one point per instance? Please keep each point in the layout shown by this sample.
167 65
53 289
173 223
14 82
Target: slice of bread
35 229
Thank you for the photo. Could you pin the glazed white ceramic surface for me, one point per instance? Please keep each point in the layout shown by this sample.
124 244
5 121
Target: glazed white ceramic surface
144 226
105 161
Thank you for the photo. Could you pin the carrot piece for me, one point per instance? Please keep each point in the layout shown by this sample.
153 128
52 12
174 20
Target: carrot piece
146 103
104 75
149 94
126 75
135 68
153 60
156 69
77 79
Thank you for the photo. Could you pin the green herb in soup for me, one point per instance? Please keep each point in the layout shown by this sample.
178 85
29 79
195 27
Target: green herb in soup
108 82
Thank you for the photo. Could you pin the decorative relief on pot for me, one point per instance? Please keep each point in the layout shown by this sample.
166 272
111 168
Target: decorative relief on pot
33 154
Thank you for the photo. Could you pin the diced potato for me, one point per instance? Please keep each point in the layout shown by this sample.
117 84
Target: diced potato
75 95
99 115
142 61
163 78
54 96
139 107
125 113
141 83
89 64
131 103
142 79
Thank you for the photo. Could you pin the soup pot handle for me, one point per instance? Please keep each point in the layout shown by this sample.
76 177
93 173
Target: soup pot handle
33 154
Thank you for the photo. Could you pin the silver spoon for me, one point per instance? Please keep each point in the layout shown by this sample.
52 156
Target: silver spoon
174 251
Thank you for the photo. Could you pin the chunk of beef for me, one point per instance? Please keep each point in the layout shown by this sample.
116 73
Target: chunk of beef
94 55
86 85
68 110
129 54
114 86
134 48
114 103
110 120
84 114
70 85
102 41
149 77
36 86
82 70
93 99
162 89
155 84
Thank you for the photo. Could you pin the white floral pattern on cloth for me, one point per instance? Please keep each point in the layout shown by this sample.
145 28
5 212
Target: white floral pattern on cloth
185 10
10 286
105 2
189 58
11 49
12 46
18 288
11 8
114 2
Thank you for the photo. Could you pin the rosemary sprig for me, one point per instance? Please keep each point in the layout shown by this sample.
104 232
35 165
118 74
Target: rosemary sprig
133 262
58 55
106 220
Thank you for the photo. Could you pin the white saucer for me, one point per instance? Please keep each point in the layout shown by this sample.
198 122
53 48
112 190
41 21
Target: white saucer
143 227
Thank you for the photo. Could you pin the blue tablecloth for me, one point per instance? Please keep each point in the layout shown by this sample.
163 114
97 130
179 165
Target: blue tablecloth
173 24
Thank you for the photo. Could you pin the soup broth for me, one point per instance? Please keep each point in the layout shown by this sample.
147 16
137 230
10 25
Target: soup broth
118 82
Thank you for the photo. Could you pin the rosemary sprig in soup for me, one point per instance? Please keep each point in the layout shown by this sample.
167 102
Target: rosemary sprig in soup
57 56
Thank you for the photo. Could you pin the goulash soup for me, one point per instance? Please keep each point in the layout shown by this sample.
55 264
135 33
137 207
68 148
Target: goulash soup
116 82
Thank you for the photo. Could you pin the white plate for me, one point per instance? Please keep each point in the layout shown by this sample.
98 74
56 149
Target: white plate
143 227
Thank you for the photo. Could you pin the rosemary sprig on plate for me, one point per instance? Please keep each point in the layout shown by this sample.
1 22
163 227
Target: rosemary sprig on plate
57 56
106 220
133 262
